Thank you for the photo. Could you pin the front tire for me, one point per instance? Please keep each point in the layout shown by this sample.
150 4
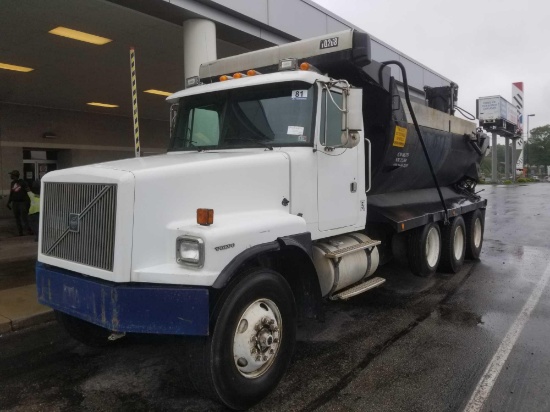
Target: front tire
454 245
424 249
253 332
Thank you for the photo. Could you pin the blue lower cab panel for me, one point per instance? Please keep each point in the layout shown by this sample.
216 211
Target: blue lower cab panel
137 308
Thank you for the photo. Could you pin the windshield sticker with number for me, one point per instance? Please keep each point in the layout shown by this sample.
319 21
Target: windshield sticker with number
299 95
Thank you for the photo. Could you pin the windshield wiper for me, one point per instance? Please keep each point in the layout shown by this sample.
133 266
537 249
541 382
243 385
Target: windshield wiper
248 139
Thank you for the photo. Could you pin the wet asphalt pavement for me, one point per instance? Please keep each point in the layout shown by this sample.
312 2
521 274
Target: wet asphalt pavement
412 345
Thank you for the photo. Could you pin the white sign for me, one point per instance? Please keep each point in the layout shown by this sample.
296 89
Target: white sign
295 130
489 108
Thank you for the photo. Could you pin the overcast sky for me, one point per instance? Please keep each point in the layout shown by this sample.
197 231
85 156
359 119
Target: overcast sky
483 46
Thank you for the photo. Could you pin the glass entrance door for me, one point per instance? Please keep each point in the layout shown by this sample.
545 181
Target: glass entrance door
36 169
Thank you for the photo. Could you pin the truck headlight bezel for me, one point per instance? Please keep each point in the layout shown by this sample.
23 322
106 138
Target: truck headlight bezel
193 243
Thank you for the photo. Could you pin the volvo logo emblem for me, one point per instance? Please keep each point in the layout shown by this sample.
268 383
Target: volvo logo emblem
74 222
218 248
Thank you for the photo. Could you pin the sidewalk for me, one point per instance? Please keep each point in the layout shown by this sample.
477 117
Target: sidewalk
19 307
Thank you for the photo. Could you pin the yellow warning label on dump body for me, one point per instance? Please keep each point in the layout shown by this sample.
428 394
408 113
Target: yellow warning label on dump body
400 137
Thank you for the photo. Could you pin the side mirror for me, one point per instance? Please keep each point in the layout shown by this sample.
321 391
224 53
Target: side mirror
173 115
352 117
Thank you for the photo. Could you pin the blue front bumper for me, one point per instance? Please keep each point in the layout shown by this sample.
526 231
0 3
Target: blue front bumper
138 308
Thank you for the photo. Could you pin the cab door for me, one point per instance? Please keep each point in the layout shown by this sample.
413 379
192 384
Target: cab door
337 175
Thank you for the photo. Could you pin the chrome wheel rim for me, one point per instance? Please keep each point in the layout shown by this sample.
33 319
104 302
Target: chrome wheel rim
257 338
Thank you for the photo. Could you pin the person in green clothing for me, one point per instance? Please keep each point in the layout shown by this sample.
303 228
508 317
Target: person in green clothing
34 209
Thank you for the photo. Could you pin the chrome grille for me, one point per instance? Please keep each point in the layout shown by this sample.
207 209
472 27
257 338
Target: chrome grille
78 223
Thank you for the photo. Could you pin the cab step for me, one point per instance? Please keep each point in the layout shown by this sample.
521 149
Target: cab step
335 254
360 288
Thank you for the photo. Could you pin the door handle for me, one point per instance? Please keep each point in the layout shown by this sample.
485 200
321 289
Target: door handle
353 187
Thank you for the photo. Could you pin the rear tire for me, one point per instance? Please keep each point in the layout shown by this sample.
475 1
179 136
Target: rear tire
84 332
424 249
252 336
453 245
475 225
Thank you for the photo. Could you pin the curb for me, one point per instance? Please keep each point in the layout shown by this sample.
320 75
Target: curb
13 325
20 309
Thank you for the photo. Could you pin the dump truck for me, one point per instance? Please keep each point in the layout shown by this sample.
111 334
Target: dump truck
291 175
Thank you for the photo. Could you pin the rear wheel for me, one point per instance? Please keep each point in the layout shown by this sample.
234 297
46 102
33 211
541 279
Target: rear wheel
251 342
454 245
475 225
424 249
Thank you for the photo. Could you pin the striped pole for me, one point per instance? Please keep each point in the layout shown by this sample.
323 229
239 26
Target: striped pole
134 99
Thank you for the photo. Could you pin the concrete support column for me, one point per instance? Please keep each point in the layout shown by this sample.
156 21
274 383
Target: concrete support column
507 158
494 159
514 160
199 45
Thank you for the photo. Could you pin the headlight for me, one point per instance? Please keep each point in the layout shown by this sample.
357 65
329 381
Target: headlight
190 251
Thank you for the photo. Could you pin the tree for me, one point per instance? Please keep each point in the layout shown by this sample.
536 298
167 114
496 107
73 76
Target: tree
537 149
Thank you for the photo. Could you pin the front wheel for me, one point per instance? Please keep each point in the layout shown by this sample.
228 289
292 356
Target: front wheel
251 343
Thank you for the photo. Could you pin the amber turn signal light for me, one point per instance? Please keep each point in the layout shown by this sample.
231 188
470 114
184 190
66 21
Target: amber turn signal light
205 217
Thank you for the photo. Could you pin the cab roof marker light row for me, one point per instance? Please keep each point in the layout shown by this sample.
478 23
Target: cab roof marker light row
239 75
195 80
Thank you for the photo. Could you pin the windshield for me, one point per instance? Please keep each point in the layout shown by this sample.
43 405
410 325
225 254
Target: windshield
278 114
